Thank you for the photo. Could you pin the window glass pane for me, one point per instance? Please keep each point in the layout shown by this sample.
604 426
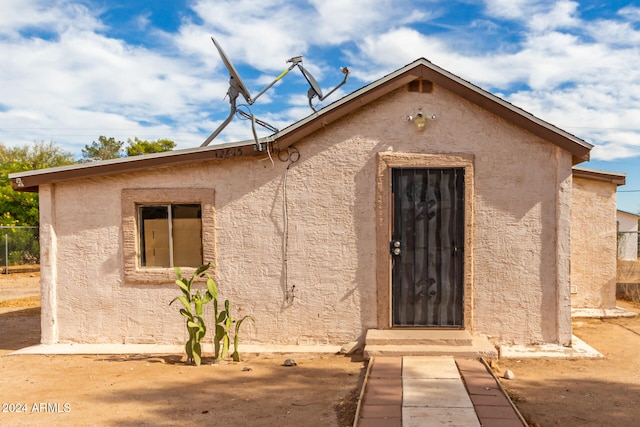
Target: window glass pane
187 235
170 235
154 236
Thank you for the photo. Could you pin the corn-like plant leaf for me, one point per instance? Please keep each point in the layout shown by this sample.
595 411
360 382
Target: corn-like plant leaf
198 304
197 351
225 346
184 302
212 287
239 322
236 338
201 269
182 285
189 350
221 317
193 309
200 321
219 331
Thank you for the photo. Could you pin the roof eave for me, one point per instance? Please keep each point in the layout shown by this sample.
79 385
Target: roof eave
29 181
424 69
617 178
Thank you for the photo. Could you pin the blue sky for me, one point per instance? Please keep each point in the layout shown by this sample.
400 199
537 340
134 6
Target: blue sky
73 70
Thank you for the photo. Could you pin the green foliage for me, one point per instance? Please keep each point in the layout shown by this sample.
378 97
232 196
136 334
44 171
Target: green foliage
109 148
104 149
193 303
224 321
21 208
23 244
138 146
236 339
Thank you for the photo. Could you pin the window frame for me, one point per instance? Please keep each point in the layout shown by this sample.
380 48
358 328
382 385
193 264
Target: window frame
131 199
171 226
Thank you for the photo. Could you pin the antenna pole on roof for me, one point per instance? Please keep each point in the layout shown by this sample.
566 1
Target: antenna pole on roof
315 90
236 88
294 62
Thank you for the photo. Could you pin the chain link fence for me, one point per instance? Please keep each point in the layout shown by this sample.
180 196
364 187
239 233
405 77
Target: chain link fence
19 246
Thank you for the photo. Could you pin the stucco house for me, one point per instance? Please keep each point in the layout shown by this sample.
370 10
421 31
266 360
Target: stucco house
355 219
593 238
628 275
627 228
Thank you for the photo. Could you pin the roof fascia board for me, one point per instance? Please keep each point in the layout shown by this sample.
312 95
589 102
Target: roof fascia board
628 213
30 180
424 69
598 175
578 147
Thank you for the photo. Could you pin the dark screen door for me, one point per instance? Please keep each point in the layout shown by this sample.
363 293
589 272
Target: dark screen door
427 247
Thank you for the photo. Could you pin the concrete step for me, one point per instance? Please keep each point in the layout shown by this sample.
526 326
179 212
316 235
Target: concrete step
450 337
465 346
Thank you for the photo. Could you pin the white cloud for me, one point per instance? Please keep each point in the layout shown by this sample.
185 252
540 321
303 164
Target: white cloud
261 34
65 78
579 76
630 12
511 9
77 83
561 15
53 17
614 33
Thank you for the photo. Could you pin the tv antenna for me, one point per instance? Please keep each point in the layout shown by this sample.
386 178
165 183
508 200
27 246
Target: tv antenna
315 90
237 87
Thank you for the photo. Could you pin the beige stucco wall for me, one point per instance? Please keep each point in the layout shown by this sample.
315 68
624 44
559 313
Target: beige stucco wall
593 244
519 272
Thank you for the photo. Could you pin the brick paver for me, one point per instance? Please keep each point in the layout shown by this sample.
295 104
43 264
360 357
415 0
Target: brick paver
382 404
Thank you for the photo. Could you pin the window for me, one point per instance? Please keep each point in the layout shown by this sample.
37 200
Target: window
163 228
170 235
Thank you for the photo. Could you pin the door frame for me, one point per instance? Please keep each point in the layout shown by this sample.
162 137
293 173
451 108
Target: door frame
386 161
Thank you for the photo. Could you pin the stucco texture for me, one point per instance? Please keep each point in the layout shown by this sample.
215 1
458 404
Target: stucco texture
593 244
297 245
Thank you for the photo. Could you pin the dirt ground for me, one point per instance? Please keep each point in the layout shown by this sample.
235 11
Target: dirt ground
597 392
321 391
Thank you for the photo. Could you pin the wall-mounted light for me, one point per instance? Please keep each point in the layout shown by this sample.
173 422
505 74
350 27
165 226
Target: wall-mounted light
420 119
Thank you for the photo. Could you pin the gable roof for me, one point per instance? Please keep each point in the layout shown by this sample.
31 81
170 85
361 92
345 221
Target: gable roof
421 69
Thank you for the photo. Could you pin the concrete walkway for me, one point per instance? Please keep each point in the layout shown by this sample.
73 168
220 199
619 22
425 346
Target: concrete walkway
424 391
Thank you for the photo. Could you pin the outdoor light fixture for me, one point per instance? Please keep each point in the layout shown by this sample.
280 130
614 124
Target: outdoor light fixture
420 119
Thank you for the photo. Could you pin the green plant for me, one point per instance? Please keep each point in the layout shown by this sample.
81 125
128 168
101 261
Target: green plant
236 339
224 321
193 303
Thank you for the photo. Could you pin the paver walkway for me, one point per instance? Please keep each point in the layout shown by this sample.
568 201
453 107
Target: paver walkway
425 391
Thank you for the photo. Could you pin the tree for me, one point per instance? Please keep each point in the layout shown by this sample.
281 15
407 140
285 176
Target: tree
21 208
110 148
104 149
138 146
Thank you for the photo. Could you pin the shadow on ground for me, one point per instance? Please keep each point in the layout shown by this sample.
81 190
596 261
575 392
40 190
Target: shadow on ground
19 329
